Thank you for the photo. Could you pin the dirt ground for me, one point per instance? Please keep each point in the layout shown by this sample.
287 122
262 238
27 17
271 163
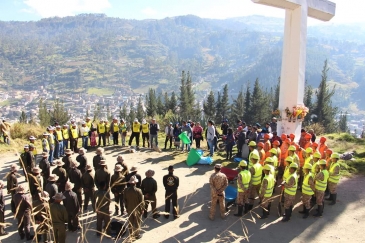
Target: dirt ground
343 222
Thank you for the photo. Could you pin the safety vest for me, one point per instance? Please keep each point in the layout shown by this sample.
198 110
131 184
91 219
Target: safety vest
85 133
74 133
136 127
296 158
122 127
270 185
107 127
308 160
101 128
145 127
286 173
292 190
45 144
59 135
275 159
115 127
89 124
256 178
34 150
246 178
51 139
278 153
65 133
306 189
321 185
249 157
334 178
314 167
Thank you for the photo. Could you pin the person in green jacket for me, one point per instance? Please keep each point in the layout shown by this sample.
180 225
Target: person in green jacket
59 218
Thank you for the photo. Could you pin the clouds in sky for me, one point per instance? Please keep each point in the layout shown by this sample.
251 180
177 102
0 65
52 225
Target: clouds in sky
51 8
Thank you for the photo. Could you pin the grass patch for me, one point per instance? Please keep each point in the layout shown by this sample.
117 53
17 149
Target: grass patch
5 102
100 91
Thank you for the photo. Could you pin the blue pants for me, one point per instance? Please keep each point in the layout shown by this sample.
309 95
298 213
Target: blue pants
153 137
211 144
56 151
85 141
50 158
65 145
60 149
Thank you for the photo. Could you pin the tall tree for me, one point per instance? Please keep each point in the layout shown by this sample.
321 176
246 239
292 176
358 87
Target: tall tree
151 107
97 112
190 102
218 109
43 115
132 114
140 111
108 114
342 123
59 113
323 108
225 102
23 117
166 102
123 111
275 104
183 96
173 102
160 105
209 106
258 102
238 107
308 97
246 113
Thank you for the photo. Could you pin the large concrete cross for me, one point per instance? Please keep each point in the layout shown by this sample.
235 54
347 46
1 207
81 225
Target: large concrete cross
294 52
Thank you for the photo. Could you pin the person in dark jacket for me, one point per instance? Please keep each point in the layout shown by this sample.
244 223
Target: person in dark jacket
102 198
81 158
241 140
230 142
72 206
149 189
120 161
118 184
41 208
224 127
133 172
2 210
45 167
62 175
67 159
23 204
12 184
88 185
102 175
75 176
171 184
97 158
34 181
59 217
52 187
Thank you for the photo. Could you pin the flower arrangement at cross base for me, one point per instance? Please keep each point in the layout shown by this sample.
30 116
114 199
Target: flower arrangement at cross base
298 113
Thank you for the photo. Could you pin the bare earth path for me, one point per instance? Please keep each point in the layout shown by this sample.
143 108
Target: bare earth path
343 222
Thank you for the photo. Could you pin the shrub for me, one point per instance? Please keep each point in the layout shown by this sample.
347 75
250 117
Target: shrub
24 131
318 128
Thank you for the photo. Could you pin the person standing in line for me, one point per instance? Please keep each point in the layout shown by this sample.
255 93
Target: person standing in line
75 176
118 184
154 128
66 138
321 180
23 204
107 133
102 175
334 178
59 218
2 210
256 174
51 142
218 183
149 189
74 136
67 159
169 133
59 142
114 130
123 131
12 184
197 134
88 185
210 137
98 157
266 190
73 206
243 183
308 189
102 203
136 130
84 131
171 184
45 167
61 173
291 185
34 181
145 133
52 187
101 132
82 159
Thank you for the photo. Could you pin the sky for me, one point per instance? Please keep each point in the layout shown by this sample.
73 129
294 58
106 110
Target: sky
347 11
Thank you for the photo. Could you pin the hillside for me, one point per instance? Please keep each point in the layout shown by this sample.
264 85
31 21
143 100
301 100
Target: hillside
78 54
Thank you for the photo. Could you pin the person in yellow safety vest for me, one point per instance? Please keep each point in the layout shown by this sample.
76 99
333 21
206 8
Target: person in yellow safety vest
252 149
308 189
286 174
114 130
145 133
266 190
107 133
74 136
291 185
243 183
84 132
51 142
136 130
123 131
315 163
270 161
89 124
102 132
276 145
320 186
334 178
273 153
256 174
45 144
32 141
291 153
59 139
308 158
66 137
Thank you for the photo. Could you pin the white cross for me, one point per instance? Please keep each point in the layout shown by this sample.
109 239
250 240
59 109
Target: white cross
294 52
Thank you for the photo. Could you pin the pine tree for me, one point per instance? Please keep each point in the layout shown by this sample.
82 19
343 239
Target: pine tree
43 115
197 112
108 114
246 113
123 111
97 112
59 113
132 114
160 105
342 123
183 96
218 109
258 102
308 94
23 117
209 106
275 104
140 111
190 95
173 102
323 108
151 108
166 102
225 102
238 107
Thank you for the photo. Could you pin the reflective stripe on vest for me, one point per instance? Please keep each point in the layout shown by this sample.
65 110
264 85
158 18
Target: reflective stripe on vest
65 133
145 128
286 173
115 127
270 185
321 185
306 189
256 178
136 127
292 190
74 133
101 128
334 178
275 160
59 135
246 178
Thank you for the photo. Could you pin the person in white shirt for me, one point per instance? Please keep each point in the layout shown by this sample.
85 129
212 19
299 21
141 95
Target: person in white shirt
169 132
210 137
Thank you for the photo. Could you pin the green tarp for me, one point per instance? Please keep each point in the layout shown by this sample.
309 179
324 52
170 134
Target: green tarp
193 157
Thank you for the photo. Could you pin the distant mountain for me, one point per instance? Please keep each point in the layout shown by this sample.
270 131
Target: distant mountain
74 54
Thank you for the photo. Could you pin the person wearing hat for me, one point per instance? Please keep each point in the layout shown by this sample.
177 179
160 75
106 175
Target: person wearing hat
321 180
74 137
270 161
256 174
267 144
51 186
2 210
261 151
308 159
72 205
307 141
133 199
273 155
273 124
243 182
218 183
75 175
98 157
32 141
118 184
308 189
177 131
230 142
61 174
89 123
51 142
102 175
276 145
101 130
322 147
136 129
149 189
145 127
169 133
45 144
314 146
171 184
266 190
241 140
120 161
12 184
59 142
134 172
315 163
154 128
114 130
225 126
23 204
82 159
197 134
45 168
88 185
66 137
291 185
84 132
59 218
23 158
30 159
334 178
123 131
291 153
41 209
67 159
34 181
102 199
252 149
